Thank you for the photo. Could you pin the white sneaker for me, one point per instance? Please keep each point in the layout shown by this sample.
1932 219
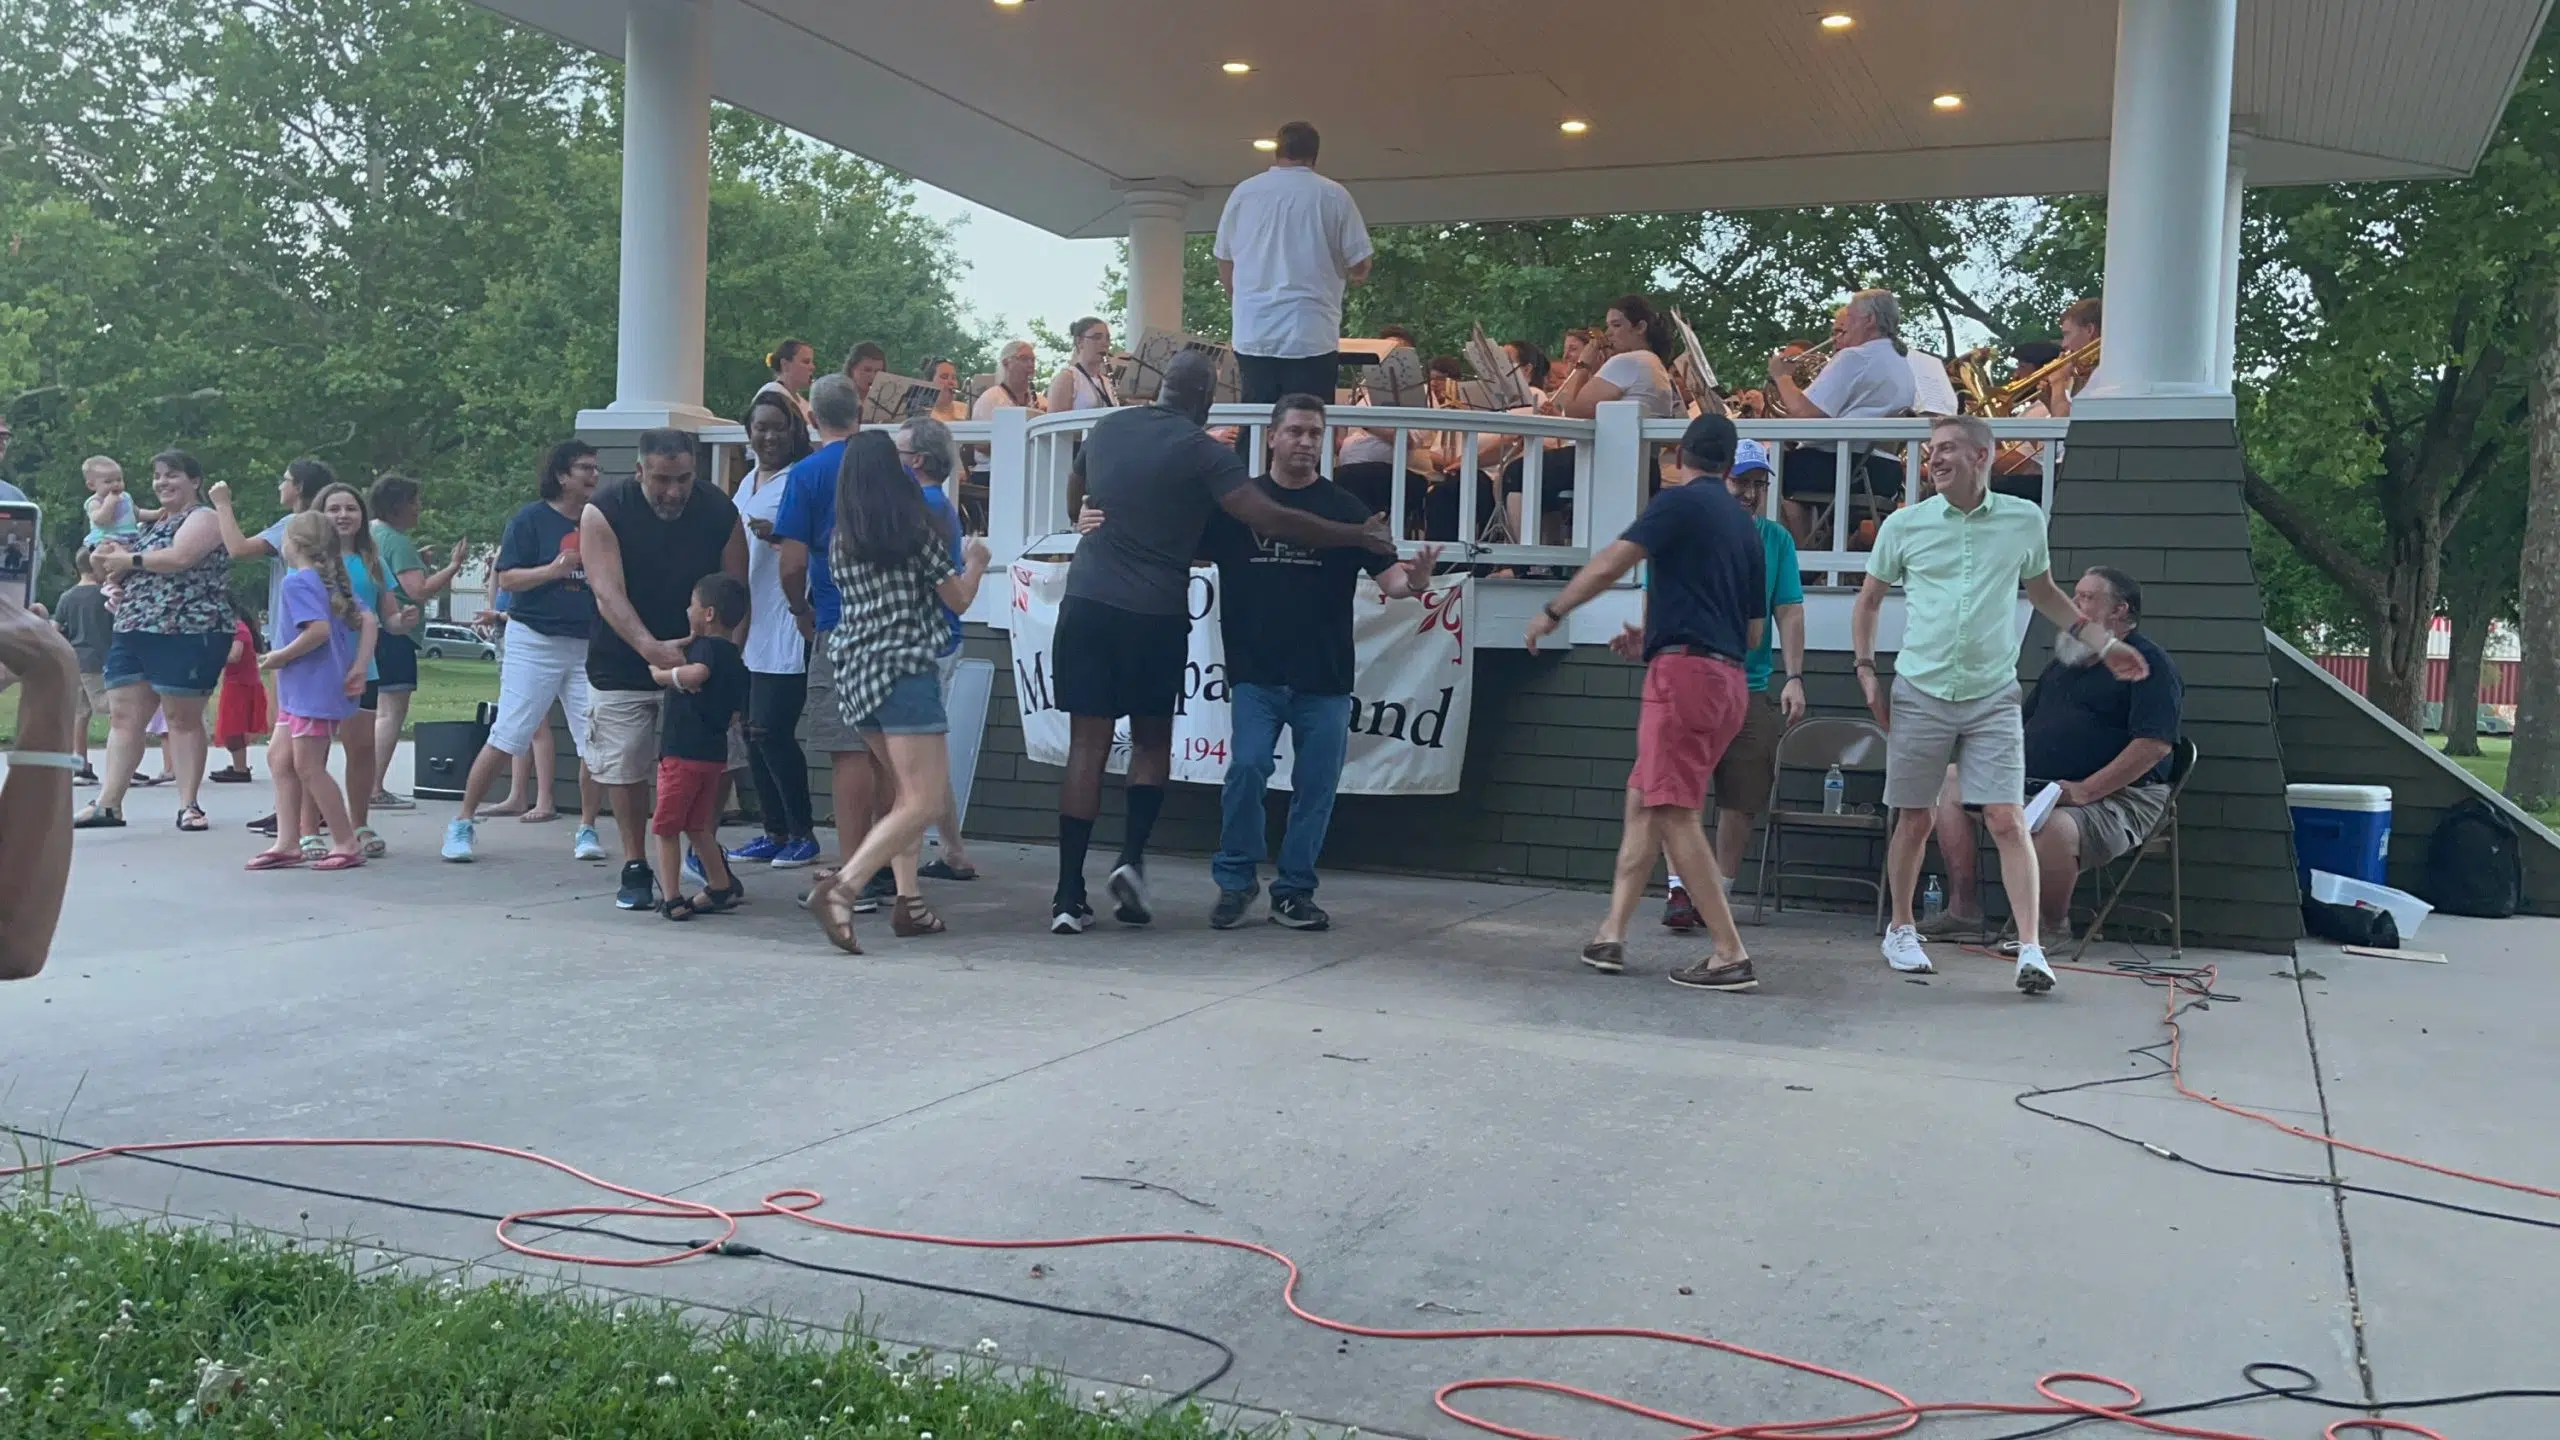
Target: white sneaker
585 846
2034 976
1902 951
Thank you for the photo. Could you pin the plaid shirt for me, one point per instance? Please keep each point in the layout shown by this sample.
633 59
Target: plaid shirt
893 626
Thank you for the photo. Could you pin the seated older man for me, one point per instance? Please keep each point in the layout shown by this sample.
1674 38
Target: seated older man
2105 741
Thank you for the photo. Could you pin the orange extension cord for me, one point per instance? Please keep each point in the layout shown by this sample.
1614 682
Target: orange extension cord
1898 1417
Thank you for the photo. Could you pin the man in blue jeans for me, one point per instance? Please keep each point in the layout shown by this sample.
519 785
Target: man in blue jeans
1285 612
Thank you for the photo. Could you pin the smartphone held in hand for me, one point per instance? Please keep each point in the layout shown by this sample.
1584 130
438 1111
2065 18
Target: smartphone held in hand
21 521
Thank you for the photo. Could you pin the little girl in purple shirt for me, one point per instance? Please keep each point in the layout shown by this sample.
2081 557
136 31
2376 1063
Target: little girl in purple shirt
320 674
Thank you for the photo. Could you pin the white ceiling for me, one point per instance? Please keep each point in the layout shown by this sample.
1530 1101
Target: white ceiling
1447 109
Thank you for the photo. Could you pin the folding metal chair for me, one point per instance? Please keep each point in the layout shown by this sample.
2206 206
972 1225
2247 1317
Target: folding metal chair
1858 748
2162 840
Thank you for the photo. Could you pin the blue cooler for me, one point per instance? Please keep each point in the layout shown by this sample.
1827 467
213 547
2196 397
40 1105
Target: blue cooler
2343 829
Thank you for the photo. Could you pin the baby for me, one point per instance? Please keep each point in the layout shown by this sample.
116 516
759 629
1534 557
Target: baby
112 513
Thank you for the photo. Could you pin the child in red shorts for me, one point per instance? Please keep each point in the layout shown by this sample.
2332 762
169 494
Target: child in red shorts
705 695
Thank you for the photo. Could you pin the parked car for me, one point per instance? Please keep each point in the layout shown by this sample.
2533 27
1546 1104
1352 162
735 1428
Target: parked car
461 642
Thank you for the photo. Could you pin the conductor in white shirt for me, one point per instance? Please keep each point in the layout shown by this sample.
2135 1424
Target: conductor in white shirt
1288 242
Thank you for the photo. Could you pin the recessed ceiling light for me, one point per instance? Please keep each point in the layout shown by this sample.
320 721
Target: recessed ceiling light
1837 21
1008 4
1237 67
1266 144
1949 102
1574 127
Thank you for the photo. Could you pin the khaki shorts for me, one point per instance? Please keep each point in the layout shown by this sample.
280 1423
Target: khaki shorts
622 736
2110 828
1984 739
1750 763
93 694
823 728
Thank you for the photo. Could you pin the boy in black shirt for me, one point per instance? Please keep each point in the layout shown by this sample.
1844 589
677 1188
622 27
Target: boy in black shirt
704 696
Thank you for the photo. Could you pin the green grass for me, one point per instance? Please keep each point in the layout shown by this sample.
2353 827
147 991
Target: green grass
447 690
109 1330
2490 765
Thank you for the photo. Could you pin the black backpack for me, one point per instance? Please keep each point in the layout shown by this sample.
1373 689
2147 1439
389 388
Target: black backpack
2475 863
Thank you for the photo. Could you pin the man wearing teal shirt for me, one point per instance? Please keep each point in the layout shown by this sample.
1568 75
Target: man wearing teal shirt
1961 557
1750 763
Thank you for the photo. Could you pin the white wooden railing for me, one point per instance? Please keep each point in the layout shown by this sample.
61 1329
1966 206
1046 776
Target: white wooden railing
1029 461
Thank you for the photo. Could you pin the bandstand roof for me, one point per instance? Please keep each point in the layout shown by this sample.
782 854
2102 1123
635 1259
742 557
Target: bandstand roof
1450 109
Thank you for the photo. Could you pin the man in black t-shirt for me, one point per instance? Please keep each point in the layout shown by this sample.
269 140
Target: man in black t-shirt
1706 599
2103 741
1122 641
1285 613
646 542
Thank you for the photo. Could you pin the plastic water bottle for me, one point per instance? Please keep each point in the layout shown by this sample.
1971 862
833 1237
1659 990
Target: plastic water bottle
1933 900
1835 790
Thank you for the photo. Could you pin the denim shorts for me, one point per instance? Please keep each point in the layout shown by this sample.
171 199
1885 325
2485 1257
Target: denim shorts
913 707
179 666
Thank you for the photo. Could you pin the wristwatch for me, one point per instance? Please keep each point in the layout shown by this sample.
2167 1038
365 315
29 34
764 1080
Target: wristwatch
1548 609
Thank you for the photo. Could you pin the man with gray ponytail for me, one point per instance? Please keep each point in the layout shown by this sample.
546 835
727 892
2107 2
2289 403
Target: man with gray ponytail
1868 374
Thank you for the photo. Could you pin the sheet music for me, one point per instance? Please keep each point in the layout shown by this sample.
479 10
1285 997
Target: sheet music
1694 369
893 398
1396 380
1156 349
1505 388
1932 393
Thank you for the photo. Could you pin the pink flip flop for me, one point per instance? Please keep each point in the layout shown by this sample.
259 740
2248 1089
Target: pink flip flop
337 861
271 860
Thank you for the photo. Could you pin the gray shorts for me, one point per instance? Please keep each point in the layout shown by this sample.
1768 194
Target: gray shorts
2111 826
823 728
1984 739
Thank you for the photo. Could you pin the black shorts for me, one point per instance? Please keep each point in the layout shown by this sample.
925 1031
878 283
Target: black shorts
1811 473
1112 662
395 659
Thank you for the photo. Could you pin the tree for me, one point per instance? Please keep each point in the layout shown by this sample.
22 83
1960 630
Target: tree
2480 577
2533 766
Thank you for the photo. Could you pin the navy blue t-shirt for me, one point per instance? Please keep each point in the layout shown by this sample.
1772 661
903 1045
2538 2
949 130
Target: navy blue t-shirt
563 608
1708 579
2080 717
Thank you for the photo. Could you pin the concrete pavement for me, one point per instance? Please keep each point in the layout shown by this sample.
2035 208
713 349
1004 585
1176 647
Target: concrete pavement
1440 1115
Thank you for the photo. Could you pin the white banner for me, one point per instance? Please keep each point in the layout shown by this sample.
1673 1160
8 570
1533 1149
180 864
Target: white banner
1413 687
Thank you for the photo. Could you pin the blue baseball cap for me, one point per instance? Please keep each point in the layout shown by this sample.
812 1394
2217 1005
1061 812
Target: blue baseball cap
1750 455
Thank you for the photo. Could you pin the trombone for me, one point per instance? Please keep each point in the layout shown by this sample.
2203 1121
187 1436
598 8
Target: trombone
2001 400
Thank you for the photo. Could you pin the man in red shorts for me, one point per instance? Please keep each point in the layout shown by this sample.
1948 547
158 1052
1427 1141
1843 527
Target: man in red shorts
1706 602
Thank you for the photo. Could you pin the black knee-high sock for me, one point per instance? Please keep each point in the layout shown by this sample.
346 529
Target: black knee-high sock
1145 802
1074 836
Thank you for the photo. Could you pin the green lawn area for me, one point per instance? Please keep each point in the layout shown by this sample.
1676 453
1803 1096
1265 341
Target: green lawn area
447 690
150 1331
2491 766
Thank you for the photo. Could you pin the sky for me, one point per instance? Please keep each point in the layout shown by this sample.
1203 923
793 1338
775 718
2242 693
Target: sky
1015 272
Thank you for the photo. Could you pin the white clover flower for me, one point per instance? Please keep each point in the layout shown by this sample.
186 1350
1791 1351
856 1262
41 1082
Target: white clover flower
497 1324
157 1384
666 1382
751 1414
5 1396
817 1382
1146 1380
986 1347
1017 1427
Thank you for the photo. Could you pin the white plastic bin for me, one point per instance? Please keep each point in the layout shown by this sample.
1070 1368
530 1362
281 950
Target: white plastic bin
2407 910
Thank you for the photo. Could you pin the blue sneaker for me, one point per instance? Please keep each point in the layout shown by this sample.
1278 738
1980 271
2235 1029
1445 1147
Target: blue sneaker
458 836
693 869
800 852
760 849
585 845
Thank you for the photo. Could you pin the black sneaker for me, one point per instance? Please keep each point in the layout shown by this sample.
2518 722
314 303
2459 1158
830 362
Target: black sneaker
639 888
883 885
1299 912
1229 911
1701 976
265 825
1128 887
86 777
1070 919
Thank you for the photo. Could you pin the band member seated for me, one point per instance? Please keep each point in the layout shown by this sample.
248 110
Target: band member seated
2082 321
1440 510
2018 468
2106 741
1868 374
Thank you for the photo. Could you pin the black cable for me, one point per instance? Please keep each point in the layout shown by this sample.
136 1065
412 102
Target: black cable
2304 1391
734 1249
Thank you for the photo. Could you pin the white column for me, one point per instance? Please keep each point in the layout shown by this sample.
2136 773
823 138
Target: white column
1158 212
666 218
2167 167
2235 184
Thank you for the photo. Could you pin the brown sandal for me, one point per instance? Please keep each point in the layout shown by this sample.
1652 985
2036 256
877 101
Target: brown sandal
833 917
910 917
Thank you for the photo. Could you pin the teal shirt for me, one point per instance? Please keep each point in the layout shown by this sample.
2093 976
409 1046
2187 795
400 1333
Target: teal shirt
368 593
1786 587
399 555
1960 572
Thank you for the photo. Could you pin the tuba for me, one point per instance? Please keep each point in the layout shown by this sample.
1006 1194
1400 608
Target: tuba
2002 400
1970 374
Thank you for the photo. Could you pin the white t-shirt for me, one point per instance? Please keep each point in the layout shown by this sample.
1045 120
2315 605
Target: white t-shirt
1640 376
774 646
1082 390
1292 235
1864 380
996 397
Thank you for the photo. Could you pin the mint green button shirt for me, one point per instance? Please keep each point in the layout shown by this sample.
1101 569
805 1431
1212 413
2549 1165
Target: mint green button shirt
1960 571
